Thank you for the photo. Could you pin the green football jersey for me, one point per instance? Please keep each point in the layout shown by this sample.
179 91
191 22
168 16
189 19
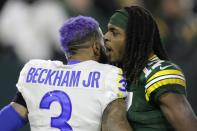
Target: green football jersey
157 78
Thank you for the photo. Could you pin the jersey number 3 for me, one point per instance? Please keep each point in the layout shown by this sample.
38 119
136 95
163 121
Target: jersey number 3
63 99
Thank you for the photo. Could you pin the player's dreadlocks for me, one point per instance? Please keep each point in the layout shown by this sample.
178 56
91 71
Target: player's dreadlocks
142 38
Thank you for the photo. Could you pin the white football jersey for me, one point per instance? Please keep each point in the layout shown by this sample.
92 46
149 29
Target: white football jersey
69 97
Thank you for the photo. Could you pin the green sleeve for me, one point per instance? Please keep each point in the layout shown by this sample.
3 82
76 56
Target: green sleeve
165 78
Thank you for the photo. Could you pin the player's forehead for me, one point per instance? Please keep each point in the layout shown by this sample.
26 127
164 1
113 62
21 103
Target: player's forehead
112 27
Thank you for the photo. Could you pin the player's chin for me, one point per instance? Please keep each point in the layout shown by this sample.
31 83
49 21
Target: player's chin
113 60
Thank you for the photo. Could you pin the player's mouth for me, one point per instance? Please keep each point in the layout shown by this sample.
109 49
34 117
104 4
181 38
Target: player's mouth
108 48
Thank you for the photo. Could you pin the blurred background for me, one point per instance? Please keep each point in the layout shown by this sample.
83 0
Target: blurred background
29 29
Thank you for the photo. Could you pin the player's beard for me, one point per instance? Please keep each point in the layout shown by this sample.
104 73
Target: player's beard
103 56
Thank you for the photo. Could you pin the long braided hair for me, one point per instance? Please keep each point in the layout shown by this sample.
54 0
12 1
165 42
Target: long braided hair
142 38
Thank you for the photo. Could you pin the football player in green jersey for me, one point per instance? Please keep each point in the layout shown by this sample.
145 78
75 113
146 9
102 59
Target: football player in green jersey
157 88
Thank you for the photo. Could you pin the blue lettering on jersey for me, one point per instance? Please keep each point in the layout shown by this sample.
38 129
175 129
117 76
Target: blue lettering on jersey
48 79
71 81
40 79
62 78
93 79
123 85
74 81
34 80
87 83
66 79
58 77
30 74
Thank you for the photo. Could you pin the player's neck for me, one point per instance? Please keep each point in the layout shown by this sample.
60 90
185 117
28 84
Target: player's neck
81 57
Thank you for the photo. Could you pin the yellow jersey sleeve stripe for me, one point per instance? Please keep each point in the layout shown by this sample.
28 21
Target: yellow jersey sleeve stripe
162 83
165 72
162 78
120 94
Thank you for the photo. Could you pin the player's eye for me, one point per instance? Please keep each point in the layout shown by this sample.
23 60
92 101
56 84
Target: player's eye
115 33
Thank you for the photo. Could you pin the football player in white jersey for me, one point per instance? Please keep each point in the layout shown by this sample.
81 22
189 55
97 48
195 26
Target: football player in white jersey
71 97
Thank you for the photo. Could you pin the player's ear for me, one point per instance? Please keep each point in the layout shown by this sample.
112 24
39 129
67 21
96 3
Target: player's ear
96 48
